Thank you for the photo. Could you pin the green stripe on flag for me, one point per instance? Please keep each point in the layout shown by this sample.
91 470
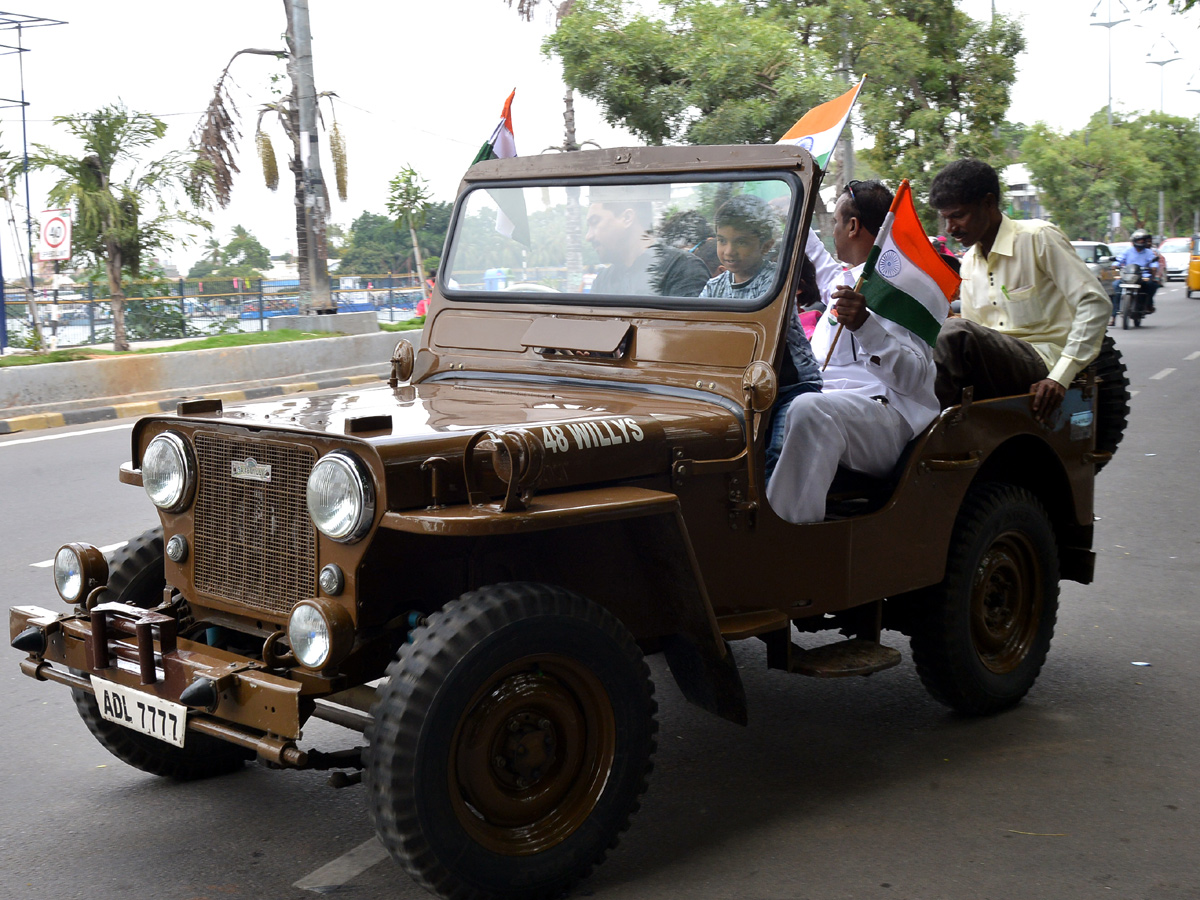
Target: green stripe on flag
485 152
887 300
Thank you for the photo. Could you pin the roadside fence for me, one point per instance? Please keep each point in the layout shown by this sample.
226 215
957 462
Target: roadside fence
157 310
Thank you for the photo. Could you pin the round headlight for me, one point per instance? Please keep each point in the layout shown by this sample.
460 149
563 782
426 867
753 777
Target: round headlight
78 568
168 473
341 497
321 633
309 635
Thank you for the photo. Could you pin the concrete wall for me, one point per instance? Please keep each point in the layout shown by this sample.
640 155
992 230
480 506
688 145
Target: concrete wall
100 382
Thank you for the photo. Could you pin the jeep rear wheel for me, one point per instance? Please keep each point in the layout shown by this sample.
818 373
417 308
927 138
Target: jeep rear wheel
1112 399
981 636
510 743
136 578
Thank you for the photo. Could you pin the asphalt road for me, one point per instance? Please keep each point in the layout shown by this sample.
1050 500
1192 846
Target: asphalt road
856 789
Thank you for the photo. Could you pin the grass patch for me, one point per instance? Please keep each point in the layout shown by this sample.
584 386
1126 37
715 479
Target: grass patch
244 339
411 325
33 359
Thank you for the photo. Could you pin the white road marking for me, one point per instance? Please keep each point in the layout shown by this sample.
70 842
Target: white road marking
1191 356
1159 376
56 437
349 865
47 563
1134 393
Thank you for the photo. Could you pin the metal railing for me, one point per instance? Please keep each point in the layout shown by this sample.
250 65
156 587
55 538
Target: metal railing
161 310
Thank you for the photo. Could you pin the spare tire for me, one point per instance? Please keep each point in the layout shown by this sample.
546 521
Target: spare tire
1112 399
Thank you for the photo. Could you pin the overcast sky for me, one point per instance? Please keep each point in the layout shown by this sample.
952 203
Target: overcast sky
423 83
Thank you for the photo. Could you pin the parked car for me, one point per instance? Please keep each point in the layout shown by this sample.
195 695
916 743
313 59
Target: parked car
1101 261
1177 252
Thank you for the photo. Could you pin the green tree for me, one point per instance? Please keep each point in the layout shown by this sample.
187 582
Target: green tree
722 71
1084 174
245 254
375 246
409 201
123 209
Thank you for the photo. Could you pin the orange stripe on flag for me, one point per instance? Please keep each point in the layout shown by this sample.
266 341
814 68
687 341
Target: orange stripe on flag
506 115
823 117
909 236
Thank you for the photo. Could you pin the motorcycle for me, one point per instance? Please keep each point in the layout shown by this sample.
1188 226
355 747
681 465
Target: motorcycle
1135 298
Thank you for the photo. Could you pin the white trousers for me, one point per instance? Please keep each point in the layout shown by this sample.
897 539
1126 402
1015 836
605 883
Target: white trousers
823 431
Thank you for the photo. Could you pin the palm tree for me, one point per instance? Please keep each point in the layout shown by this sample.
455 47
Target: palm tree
216 142
122 207
409 203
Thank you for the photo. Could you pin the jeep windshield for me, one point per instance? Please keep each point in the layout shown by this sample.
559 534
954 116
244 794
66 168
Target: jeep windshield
651 243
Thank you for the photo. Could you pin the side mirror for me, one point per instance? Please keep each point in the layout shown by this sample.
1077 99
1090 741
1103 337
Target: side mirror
1106 260
403 358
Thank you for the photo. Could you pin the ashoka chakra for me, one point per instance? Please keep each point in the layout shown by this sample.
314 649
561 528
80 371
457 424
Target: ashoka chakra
889 264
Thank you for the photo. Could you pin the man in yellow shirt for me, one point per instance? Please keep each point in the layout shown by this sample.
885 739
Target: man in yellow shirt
1033 316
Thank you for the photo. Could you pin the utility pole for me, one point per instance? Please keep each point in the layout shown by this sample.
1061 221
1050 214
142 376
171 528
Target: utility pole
315 205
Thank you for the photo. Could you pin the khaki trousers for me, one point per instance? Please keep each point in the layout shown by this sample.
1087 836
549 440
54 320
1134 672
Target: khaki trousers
995 364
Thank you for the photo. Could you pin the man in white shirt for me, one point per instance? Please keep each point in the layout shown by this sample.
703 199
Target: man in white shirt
878 392
1033 315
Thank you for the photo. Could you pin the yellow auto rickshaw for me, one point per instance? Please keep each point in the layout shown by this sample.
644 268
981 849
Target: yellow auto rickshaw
1193 273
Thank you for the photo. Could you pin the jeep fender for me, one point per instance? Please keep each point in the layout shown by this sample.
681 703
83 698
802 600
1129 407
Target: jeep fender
627 548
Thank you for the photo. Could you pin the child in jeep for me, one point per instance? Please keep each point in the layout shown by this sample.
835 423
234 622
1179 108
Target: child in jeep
745 234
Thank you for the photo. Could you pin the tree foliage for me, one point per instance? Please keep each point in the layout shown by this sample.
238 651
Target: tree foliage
243 256
723 71
123 208
376 244
1082 174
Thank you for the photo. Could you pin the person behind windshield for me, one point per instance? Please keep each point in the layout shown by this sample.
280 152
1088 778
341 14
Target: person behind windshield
622 233
1141 252
745 234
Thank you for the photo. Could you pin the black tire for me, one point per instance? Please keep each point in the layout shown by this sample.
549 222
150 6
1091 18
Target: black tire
980 637
136 577
1126 309
504 678
1112 399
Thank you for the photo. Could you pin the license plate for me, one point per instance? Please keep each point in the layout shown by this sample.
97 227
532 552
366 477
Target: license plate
141 712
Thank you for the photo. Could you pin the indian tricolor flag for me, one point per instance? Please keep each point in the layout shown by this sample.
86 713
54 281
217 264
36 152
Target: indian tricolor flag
905 279
821 127
502 144
512 219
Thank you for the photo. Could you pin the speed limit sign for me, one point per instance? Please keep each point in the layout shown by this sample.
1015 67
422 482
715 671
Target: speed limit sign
56 235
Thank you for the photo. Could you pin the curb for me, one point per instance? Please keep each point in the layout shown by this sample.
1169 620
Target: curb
35 421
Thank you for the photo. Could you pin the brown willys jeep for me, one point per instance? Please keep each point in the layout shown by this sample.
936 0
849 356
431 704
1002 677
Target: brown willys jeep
468 565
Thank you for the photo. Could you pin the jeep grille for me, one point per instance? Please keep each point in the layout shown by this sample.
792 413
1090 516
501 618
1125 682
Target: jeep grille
255 543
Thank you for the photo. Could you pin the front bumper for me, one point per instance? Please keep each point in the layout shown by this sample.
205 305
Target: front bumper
139 650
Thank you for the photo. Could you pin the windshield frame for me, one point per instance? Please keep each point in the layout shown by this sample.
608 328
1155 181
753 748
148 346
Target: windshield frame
787 244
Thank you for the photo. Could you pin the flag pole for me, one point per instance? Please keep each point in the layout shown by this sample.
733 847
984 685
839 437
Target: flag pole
841 327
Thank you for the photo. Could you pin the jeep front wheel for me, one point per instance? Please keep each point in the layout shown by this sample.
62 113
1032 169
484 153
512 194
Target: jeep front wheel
981 636
510 743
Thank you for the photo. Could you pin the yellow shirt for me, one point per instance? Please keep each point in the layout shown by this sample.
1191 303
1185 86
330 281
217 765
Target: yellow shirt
1033 286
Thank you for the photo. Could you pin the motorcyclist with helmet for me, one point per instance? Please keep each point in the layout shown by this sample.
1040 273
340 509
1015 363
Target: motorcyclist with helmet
1141 253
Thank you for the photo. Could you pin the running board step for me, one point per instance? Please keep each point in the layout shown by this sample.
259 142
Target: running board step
838 660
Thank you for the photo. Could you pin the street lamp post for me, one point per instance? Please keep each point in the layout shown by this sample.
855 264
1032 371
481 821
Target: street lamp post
1114 218
1195 213
1109 26
1162 78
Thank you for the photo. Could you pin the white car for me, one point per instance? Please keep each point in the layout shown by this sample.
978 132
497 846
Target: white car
1177 252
